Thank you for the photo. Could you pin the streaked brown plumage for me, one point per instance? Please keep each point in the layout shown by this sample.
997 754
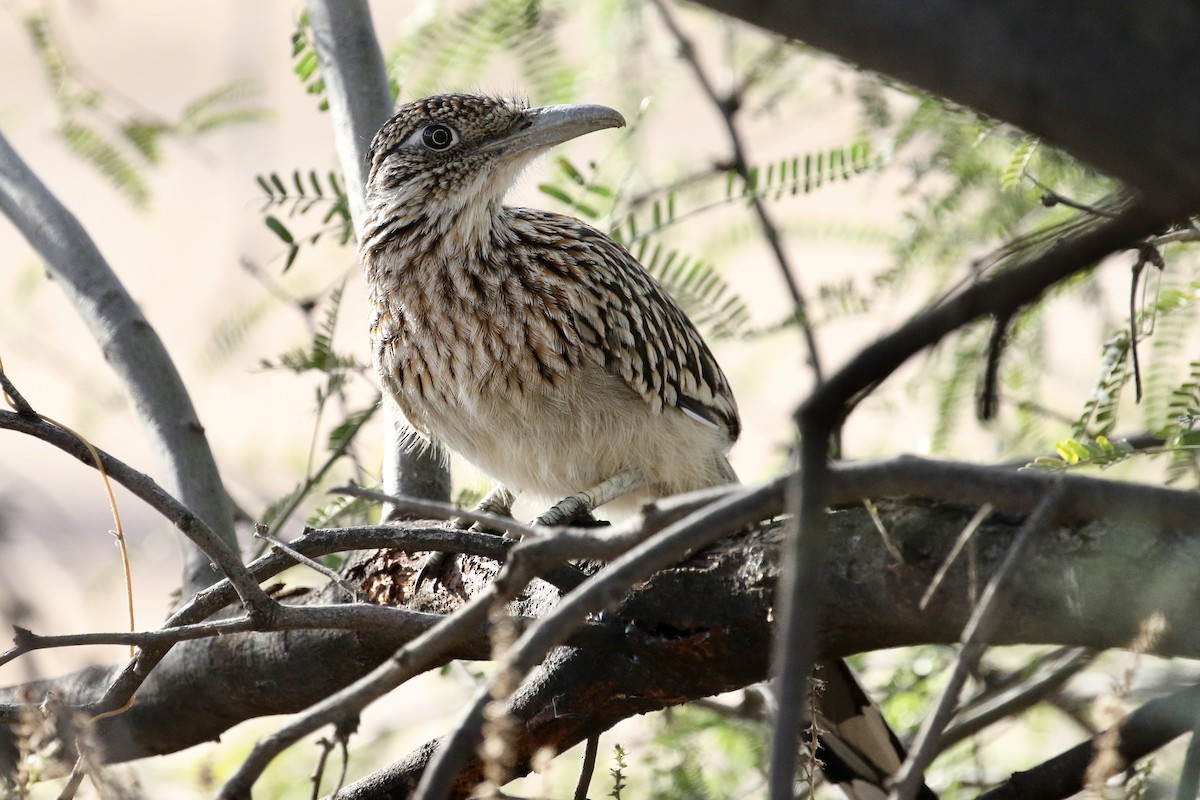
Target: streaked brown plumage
527 341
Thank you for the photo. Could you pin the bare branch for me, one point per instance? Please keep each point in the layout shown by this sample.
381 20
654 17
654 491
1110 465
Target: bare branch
213 547
282 547
821 415
131 346
985 711
1145 730
602 592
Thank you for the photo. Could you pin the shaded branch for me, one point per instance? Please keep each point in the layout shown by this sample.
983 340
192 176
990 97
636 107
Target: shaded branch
698 628
1035 67
1153 725
703 626
601 593
976 638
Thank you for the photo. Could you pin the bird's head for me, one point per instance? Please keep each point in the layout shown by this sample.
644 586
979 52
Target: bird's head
458 153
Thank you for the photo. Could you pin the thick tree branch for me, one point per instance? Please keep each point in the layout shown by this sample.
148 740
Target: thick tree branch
601 593
976 638
133 349
1099 78
1076 589
704 626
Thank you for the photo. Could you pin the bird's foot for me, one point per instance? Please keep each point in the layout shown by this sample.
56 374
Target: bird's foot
575 514
498 502
579 506
433 568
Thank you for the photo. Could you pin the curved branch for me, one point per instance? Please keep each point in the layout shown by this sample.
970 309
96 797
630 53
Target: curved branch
212 548
704 626
131 346
1151 726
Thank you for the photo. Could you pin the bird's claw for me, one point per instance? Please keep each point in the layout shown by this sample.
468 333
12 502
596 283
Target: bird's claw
432 568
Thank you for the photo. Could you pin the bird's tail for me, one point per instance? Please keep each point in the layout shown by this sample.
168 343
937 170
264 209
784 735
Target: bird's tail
726 470
859 750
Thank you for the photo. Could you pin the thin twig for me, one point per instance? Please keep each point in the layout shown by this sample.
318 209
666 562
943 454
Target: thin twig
326 747
1053 198
1048 680
590 749
1188 234
727 109
435 509
260 531
968 531
312 478
144 487
975 637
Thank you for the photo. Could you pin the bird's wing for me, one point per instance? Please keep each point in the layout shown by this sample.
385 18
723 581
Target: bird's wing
646 338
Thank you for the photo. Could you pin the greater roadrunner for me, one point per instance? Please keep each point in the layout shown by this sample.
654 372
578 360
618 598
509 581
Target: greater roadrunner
526 341
534 345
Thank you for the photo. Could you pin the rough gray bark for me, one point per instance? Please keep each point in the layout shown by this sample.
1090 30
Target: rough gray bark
1109 81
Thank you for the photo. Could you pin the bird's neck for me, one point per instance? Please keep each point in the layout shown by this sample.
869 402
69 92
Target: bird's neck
462 229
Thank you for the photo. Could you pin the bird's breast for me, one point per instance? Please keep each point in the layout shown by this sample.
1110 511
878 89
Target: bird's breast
448 331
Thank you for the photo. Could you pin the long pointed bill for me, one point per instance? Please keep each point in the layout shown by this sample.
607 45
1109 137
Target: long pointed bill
550 125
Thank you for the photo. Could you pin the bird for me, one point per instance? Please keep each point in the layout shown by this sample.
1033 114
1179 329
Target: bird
528 342
538 348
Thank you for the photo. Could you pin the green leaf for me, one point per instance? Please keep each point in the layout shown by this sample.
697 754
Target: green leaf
1014 173
107 159
145 136
279 229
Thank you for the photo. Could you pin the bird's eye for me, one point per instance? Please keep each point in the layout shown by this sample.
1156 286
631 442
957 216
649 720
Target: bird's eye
438 136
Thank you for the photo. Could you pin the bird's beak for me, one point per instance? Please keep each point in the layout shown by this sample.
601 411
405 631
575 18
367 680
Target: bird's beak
547 126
